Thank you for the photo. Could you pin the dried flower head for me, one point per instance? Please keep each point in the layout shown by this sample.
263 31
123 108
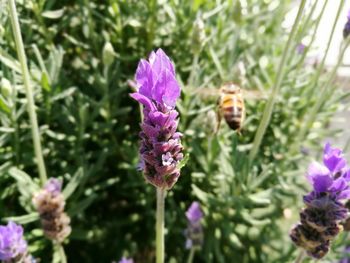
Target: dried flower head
194 231
12 244
320 220
161 149
50 203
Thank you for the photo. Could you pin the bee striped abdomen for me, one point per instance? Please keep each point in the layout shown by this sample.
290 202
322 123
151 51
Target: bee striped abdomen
232 107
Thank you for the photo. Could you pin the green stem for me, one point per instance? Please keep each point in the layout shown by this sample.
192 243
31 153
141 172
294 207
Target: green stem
29 92
275 89
320 68
191 255
300 257
318 20
160 226
61 253
322 94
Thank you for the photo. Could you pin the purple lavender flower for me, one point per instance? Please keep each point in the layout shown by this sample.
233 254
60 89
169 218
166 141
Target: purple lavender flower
126 260
12 243
161 149
346 258
194 231
320 220
301 48
346 30
54 186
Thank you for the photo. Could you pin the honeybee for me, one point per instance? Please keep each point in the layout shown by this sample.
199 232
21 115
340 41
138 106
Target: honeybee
231 106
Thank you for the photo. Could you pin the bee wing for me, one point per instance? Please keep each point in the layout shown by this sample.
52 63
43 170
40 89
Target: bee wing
207 92
254 94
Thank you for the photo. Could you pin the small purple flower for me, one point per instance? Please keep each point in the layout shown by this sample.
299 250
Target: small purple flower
54 186
320 220
346 258
12 243
194 212
301 48
194 231
346 30
161 149
126 260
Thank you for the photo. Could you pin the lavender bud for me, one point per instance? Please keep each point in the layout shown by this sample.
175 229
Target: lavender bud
194 230
50 203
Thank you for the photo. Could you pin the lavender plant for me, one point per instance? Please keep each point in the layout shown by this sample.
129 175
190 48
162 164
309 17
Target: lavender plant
161 149
88 125
13 247
320 220
194 231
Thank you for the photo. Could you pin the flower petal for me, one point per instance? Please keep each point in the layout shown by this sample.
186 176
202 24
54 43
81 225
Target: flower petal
143 100
160 61
333 158
166 89
144 78
319 177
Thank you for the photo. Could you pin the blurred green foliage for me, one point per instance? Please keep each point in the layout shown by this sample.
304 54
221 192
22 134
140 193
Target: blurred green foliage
82 54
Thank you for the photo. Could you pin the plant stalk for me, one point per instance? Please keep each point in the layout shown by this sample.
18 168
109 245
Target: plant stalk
191 255
275 89
160 226
300 257
29 92
323 92
61 253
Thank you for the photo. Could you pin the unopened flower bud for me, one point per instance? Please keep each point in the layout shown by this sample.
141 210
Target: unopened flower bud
198 35
108 54
6 88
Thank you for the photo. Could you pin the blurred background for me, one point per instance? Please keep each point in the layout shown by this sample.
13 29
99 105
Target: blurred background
81 56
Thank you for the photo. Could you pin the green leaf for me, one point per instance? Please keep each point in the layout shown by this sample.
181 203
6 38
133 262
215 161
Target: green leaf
3 105
53 14
45 83
10 62
184 161
26 185
203 196
82 205
73 183
25 219
235 240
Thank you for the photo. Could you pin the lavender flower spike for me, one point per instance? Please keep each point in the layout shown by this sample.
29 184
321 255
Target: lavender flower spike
50 204
194 231
126 260
12 244
320 219
161 149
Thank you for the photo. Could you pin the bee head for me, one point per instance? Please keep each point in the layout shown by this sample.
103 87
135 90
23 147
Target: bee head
230 88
